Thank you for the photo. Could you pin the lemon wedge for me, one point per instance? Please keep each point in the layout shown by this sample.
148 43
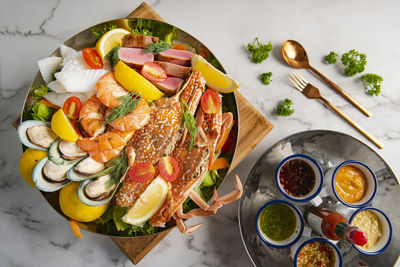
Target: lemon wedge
134 82
62 127
148 203
110 40
215 79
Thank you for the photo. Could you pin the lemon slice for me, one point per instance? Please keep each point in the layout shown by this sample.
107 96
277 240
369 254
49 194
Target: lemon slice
110 40
148 203
62 127
214 78
134 82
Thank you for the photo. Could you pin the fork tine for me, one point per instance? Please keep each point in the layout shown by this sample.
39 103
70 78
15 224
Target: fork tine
295 84
303 81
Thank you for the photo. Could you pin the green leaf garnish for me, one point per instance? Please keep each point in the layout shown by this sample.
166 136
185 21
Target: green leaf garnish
190 122
41 112
354 62
259 52
128 103
266 78
112 56
39 92
99 32
331 58
284 109
157 47
119 166
372 83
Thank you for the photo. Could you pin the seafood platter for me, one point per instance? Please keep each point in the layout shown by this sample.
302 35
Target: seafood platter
133 125
321 198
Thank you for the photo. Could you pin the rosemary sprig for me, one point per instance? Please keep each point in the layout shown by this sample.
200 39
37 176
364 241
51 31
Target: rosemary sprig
128 103
157 47
119 166
190 122
112 56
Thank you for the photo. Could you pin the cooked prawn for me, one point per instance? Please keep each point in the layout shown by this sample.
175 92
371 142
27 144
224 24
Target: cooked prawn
135 119
105 146
109 91
91 116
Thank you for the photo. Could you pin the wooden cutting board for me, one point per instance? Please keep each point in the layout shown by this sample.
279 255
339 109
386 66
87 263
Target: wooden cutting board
253 128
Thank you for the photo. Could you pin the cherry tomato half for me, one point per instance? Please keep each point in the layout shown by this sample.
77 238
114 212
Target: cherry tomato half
92 58
153 72
72 107
210 101
141 172
168 168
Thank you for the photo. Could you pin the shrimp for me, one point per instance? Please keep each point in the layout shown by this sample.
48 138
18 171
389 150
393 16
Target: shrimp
109 91
105 146
91 116
135 119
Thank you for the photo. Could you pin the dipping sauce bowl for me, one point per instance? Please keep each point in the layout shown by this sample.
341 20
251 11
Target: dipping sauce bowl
352 183
279 224
299 178
376 225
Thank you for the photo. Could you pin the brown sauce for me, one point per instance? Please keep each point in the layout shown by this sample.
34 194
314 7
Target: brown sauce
297 178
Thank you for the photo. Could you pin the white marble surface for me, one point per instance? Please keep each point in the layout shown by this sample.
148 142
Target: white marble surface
32 234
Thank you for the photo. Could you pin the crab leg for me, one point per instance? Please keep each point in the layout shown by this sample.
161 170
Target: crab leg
183 228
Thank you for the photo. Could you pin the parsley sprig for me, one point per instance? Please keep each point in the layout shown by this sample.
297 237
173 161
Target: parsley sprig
372 83
259 52
284 108
266 78
190 122
99 32
331 58
128 103
354 62
157 47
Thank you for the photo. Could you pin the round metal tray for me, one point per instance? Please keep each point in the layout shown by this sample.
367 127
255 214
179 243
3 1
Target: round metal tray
160 29
328 148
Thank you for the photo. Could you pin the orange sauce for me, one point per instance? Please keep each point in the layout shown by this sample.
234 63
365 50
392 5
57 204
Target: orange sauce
350 184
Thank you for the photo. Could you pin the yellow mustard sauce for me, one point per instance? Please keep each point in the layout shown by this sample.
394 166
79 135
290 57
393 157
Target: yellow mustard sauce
371 225
350 184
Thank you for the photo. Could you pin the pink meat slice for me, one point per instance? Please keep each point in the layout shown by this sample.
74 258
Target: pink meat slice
170 85
134 57
176 56
174 70
137 40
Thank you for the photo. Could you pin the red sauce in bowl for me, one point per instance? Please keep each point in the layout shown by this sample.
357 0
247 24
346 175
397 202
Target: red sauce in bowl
297 177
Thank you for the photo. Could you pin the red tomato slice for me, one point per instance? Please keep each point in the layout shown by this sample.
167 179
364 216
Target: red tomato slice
141 172
168 168
210 101
72 107
153 72
92 58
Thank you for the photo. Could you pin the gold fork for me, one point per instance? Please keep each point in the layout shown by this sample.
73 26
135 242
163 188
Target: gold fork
312 92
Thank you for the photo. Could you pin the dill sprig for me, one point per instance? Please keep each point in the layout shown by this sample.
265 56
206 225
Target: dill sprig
119 165
128 103
190 122
99 32
112 56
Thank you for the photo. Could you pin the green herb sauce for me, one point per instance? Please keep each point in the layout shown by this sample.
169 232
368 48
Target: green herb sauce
277 221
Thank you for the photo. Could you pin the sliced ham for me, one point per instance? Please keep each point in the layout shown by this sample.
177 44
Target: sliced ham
174 69
170 86
176 56
134 57
137 40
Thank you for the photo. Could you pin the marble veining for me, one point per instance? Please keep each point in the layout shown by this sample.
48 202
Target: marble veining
34 235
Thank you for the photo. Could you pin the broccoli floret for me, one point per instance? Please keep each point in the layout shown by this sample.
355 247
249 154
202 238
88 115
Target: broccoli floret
266 78
372 83
284 108
331 58
354 62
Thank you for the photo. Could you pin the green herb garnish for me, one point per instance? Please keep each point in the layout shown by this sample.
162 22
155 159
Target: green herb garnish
284 108
190 122
119 166
41 112
266 78
372 83
39 92
128 103
259 52
99 32
354 62
112 56
142 31
157 47
331 58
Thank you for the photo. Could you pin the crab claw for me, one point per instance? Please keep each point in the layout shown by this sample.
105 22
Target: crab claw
229 198
182 226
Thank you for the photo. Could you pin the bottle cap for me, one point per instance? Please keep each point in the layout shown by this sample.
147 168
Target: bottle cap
358 237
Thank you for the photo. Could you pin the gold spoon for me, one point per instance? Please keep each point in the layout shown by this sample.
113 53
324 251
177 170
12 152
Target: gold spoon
296 56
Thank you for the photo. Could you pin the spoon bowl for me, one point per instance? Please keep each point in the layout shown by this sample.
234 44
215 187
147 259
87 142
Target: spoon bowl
295 55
